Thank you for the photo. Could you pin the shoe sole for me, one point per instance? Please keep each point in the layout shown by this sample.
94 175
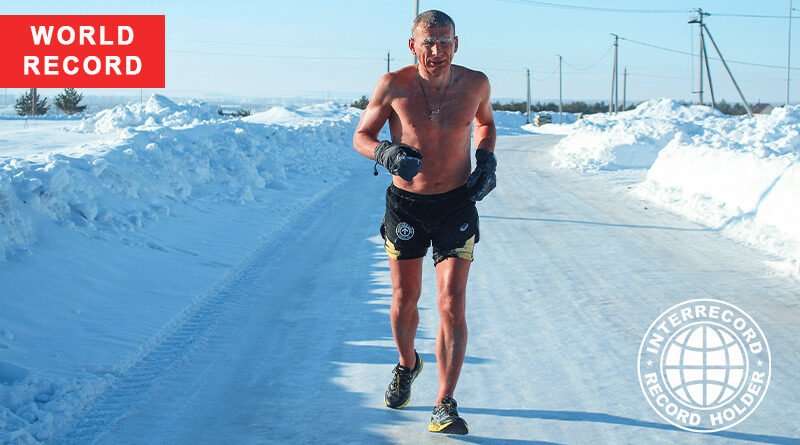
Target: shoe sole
403 405
458 426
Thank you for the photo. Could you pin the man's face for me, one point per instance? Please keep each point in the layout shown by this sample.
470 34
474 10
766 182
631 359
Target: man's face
434 47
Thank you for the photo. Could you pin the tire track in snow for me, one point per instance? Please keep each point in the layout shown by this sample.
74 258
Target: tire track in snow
185 333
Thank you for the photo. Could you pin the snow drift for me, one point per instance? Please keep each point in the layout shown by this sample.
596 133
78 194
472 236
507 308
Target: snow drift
630 139
738 174
166 152
741 175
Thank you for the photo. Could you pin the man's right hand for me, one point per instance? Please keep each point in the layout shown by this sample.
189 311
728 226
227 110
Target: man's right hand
399 159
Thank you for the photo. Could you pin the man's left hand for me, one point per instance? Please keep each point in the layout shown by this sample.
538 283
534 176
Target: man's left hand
483 178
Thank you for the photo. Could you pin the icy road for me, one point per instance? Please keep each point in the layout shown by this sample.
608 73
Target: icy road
294 345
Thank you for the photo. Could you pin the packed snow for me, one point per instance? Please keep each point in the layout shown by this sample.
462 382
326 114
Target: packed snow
736 174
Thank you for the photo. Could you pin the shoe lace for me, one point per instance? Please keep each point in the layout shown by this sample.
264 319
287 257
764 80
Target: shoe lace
447 406
401 379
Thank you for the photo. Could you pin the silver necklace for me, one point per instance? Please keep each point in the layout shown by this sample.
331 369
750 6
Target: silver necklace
432 113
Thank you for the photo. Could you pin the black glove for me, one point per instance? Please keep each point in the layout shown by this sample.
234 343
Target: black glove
400 159
483 179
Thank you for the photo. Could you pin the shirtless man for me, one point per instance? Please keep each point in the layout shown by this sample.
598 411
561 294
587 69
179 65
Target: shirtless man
430 107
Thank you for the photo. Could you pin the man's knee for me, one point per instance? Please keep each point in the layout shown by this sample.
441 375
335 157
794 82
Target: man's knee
404 301
452 305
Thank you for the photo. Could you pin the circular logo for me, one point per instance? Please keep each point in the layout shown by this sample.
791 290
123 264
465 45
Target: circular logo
404 231
704 365
463 227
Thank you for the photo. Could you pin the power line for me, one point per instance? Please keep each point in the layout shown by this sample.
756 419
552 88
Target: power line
656 68
657 47
268 56
763 65
597 9
594 64
755 16
508 70
511 70
548 77
640 11
276 45
487 59
657 76
653 76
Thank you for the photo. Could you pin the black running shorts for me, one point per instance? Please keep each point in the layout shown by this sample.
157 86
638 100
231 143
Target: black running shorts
413 222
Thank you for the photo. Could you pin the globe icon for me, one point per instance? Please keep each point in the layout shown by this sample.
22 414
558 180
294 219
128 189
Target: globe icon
704 365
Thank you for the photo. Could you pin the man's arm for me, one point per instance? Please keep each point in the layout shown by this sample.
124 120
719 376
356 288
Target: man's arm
484 133
374 117
399 159
483 179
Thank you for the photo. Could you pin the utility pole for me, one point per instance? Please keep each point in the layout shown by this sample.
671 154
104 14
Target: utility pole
613 104
725 64
789 55
624 88
560 94
710 83
388 59
701 52
528 74
416 13
616 75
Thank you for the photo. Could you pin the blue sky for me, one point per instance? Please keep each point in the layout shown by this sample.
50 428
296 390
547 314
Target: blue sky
318 48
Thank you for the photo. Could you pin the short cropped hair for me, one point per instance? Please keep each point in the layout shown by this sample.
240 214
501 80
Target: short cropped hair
433 19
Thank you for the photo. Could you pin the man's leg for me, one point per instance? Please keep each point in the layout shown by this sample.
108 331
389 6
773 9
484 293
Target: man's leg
451 340
406 290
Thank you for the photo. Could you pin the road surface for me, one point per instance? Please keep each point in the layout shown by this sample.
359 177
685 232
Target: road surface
294 346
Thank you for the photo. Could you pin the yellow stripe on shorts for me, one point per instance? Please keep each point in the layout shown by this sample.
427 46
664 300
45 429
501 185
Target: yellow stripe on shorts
465 253
391 250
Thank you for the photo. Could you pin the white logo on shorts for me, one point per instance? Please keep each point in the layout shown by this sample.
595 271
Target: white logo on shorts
463 227
404 231
704 365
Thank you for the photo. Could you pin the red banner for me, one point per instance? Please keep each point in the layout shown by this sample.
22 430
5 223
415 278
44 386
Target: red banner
82 51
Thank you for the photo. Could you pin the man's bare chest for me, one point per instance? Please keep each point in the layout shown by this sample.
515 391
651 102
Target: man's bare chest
454 110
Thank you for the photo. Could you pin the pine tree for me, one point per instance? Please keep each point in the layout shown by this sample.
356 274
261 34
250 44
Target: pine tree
24 105
69 101
361 103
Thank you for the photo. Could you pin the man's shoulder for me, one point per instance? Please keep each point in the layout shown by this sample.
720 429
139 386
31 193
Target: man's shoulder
473 76
395 79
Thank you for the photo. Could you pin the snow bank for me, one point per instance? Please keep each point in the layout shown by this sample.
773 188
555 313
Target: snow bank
738 174
16 231
304 116
156 111
741 175
509 122
629 139
512 123
166 152
735 181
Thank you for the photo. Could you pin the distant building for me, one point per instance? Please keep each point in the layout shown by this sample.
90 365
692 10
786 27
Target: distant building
760 108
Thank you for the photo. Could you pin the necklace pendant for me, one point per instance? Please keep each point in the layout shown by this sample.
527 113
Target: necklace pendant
433 114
